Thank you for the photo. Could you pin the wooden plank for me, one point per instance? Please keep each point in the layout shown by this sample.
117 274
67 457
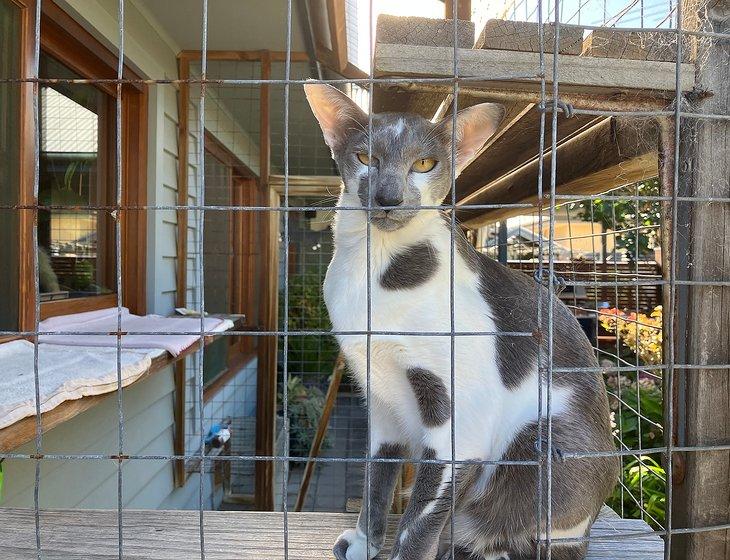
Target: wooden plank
166 535
509 35
702 312
514 146
417 31
178 437
412 30
183 98
611 153
338 31
519 71
615 43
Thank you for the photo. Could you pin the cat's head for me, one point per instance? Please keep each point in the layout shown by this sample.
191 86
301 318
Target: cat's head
409 157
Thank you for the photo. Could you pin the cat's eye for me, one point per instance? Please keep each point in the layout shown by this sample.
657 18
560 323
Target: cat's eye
365 159
423 165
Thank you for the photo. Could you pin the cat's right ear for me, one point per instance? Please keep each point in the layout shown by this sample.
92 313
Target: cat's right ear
336 113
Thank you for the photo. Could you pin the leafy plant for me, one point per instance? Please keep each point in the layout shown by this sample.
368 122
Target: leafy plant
310 358
623 216
639 332
643 478
305 405
313 356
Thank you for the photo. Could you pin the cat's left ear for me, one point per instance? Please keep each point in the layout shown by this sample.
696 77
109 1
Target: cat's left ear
336 113
474 126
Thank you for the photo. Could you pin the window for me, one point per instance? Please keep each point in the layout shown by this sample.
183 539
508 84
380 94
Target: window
77 129
77 171
10 67
232 261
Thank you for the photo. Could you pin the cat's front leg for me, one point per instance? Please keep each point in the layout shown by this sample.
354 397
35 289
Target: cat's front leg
386 442
430 503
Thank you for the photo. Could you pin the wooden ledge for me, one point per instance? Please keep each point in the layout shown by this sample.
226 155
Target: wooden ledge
24 430
172 535
518 71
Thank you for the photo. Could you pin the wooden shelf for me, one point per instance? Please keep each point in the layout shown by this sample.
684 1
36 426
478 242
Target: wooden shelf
23 431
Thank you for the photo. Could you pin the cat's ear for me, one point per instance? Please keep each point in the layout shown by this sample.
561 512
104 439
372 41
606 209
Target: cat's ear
337 114
474 126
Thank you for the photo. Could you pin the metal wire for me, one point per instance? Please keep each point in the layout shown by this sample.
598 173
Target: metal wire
547 369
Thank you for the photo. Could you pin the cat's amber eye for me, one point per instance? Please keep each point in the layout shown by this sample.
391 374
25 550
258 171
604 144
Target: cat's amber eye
366 159
423 165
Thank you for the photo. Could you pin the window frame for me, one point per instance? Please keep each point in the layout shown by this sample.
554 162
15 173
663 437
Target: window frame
245 190
70 43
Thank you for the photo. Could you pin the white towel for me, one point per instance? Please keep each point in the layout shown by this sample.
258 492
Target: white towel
64 373
104 322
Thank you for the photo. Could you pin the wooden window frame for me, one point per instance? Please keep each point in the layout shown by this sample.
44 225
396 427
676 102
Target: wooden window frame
66 40
245 262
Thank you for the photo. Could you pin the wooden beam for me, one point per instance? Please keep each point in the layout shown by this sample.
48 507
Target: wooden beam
463 9
183 100
612 153
278 56
524 36
519 71
267 370
515 144
310 185
702 312
657 45
338 31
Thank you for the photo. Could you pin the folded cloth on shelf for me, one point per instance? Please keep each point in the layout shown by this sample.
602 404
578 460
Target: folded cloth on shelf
174 334
64 373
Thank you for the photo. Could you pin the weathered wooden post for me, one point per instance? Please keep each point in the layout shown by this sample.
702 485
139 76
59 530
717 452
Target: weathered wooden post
702 312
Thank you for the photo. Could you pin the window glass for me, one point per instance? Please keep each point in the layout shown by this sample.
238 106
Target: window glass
76 254
10 160
217 240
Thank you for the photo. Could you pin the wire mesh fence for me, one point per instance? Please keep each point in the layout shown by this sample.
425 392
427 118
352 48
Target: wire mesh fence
620 258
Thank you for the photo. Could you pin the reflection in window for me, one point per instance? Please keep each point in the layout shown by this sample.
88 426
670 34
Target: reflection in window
76 245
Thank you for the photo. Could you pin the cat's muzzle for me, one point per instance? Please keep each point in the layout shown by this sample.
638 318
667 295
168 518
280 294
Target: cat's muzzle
391 220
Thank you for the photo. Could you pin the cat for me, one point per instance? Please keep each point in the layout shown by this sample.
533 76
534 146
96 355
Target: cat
405 163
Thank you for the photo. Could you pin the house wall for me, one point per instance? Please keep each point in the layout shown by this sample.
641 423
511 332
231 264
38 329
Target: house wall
147 405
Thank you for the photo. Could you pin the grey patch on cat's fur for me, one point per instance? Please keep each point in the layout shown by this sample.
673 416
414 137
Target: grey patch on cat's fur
410 268
513 298
503 514
433 399
340 549
460 554
383 477
423 533
424 491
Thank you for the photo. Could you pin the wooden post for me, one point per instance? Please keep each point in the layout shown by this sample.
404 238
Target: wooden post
702 312
267 377
463 9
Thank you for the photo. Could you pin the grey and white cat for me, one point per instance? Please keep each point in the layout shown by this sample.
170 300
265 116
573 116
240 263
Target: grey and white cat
496 384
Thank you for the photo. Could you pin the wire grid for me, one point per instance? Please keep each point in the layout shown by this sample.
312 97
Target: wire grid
584 249
550 105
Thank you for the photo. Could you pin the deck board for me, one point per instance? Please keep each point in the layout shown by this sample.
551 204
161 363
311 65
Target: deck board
174 535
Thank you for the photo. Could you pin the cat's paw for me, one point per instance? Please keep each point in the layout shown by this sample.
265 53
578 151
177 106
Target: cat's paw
351 545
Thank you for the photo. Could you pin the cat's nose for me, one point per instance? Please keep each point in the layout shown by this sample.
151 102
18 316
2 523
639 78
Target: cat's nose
388 199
